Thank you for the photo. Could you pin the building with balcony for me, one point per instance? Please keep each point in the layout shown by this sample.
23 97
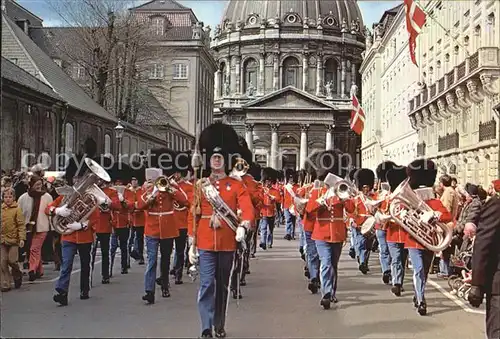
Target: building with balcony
285 73
388 82
453 111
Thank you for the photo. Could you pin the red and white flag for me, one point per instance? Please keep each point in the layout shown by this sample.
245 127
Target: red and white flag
357 116
415 20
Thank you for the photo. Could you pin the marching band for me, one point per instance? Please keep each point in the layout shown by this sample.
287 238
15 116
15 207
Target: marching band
214 208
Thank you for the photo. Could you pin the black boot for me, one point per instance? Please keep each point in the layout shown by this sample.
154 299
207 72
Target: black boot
396 290
325 301
307 274
135 255
220 333
18 282
243 282
149 297
363 268
158 281
206 334
313 286
236 295
61 297
422 308
32 276
415 303
165 293
386 277
84 295
141 261
352 253
105 281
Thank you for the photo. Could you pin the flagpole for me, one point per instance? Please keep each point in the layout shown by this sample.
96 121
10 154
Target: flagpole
447 31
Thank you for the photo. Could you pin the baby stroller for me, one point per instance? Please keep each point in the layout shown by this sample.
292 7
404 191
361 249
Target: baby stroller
460 281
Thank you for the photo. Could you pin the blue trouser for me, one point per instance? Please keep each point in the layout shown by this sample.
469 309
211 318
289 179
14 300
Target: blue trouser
215 274
384 254
266 230
290 222
312 256
421 261
152 245
444 266
69 250
359 245
302 236
398 260
329 255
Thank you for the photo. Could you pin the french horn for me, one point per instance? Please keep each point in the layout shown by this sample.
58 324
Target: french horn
410 212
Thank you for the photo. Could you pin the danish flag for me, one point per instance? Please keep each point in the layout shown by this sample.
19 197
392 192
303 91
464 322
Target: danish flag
415 20
357 116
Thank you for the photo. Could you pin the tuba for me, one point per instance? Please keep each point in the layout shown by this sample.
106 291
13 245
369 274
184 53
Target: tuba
410 212
82 198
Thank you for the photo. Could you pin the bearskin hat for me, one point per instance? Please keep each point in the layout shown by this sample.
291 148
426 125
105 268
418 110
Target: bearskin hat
332 161
364 177
395 176
422 172
75 167
311 165
255 171
291 174
270 174
280 175
351 174
183 162
222 139
164 158
383 168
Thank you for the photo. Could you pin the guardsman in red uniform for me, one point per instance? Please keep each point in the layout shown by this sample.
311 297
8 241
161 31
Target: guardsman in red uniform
349 222
279 206
329 231
137 220
380 232
422 175
308 221
290 218
121 224
80 240
160 230
395 234
356 209
271 197
216 240
181 214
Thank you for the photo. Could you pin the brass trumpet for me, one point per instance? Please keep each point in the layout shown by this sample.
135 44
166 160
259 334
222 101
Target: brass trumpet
161 184
240 168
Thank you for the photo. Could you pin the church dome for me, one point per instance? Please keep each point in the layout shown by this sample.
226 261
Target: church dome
328 13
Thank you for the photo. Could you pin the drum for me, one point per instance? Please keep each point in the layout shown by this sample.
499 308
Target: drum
368 227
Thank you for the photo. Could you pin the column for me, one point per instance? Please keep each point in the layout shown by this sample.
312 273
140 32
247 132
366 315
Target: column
342 81
353 75
262 74
276 71
337 82
303 145
233 68
249 136
274 145
218 84
237 70
319 76
305 69
329 137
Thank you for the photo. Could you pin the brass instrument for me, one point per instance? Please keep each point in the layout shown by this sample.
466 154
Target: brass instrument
345 189
410 212
82 198
161 184
240 168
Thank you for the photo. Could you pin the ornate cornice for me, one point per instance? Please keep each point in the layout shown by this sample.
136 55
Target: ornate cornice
474 91
463 101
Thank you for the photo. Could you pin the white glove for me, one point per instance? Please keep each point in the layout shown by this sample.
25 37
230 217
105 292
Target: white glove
427 217
120 196
240 234
63 211
321 201
193 255
76 226
470 229
102 201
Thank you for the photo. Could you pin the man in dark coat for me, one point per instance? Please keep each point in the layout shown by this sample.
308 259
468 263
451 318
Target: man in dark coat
486 266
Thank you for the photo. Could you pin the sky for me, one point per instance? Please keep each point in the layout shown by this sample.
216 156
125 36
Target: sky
208 11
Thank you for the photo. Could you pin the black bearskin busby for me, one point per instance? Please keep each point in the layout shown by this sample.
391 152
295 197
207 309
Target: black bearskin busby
270 174
364 177
351 173
383 168
332 161
255 171
280 175
165 159
422 172
311 165
121 171
290 175
222 139
183 163
395 176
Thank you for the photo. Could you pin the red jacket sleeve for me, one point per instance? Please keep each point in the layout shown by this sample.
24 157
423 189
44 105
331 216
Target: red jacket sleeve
438 206
50 209
245 205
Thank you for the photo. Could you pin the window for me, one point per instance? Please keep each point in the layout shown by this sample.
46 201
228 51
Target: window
156 71
158 26
69 139
58 62
107 145
180 71
13 60
79 72
24 158
290 72
250 74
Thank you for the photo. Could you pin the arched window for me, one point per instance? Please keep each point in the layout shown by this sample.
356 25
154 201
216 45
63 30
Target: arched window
224 78
290 72
331 72
107 145
250 73
69 140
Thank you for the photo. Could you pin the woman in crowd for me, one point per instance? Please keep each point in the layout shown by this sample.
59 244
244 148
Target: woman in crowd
33 204
13 236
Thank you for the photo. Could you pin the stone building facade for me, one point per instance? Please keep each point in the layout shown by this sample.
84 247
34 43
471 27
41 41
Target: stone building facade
285 71
459 87
389 80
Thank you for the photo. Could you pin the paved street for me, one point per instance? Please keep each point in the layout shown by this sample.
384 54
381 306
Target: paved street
276 304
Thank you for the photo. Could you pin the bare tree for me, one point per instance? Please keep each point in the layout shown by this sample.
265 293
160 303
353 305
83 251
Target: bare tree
108 41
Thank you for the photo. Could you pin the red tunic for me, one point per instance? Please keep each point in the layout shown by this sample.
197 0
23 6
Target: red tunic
137 217
287 197
181 212
121 209
268 208
308 220
357 210
329 221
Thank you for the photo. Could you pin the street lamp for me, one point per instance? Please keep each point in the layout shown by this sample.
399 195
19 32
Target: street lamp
119 135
